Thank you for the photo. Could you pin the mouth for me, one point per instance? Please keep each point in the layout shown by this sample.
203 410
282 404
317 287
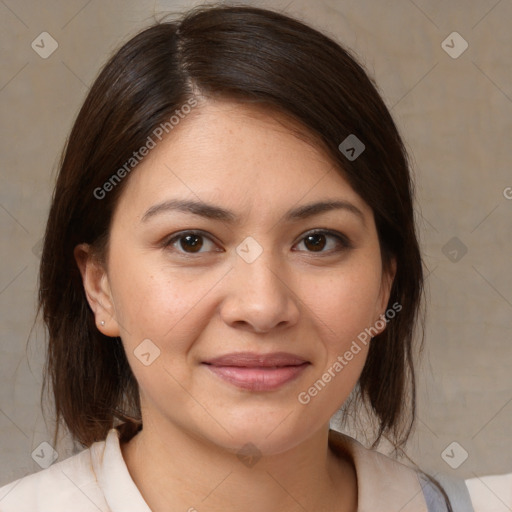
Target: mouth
257 372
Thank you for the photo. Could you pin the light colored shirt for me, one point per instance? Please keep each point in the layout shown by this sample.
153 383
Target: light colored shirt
491 493
97 480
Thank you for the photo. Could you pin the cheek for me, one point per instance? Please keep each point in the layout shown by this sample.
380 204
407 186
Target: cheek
159 302
345 303
343 307
166 307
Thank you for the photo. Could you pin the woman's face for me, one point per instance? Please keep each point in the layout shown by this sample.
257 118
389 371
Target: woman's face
228 328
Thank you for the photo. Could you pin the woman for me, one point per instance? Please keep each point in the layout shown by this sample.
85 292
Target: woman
230 257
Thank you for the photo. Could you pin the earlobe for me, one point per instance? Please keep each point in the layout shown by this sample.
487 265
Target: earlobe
97 290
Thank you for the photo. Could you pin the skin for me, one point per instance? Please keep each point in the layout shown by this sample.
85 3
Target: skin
198 305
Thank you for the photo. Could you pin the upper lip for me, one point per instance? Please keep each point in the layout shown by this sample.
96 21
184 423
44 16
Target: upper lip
254 360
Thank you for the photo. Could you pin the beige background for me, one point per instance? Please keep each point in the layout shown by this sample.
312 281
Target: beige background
456 117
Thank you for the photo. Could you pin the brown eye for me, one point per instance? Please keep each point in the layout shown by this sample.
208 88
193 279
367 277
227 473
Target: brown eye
315 242
325 242
192 242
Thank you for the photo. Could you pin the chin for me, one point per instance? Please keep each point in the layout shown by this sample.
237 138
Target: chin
264 438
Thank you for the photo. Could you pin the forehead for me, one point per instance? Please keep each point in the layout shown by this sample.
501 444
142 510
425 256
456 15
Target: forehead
237 154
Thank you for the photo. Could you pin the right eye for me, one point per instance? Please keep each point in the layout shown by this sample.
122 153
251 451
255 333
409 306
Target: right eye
189 242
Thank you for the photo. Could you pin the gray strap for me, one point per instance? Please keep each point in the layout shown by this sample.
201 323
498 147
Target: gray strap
457 492
434 499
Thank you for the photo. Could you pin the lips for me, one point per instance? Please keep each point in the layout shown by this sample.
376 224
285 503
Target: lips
257 372
252 360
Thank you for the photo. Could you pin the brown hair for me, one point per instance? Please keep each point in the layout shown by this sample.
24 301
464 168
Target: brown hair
245 54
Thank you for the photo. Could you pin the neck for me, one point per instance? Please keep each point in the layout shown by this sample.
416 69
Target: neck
201 476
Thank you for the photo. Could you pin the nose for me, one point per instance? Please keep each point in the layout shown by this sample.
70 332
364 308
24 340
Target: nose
259 295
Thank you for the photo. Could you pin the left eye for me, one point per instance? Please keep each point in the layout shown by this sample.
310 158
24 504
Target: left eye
316 241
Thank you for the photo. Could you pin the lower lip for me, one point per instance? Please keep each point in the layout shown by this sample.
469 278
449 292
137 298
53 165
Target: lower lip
258 379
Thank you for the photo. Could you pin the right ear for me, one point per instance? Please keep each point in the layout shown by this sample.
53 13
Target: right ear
97 290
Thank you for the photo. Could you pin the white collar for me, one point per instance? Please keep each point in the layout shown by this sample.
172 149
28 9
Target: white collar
120 491
381 481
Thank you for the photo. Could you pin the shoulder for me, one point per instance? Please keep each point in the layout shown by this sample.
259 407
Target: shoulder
72 481
381 480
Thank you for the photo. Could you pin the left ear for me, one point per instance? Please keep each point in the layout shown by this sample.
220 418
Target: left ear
388 277
97 290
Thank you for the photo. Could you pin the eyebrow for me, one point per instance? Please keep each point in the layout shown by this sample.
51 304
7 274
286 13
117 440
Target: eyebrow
214 212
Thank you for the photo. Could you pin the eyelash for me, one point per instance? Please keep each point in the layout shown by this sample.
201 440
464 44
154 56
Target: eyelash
342 240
